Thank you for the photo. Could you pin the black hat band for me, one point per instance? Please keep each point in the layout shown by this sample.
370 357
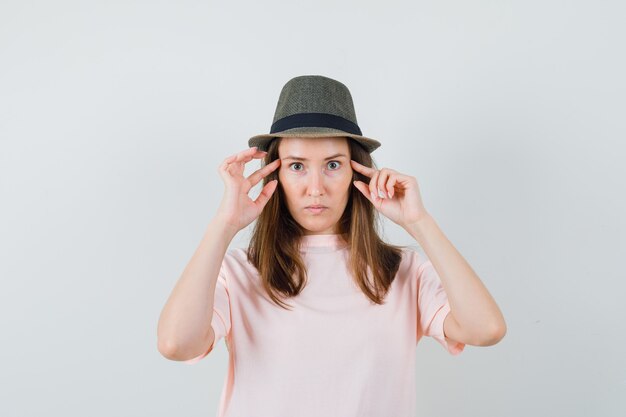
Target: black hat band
315 120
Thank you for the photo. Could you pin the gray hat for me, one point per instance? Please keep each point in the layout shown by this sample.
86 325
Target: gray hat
314 106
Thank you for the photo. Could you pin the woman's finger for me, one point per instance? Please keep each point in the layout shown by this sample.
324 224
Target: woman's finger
391 184
246 152
364 189
223 168
261 173
248 155
241 157
367 171
383 177
265 194
373 185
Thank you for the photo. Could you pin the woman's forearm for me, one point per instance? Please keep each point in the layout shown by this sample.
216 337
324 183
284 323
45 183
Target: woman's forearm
185 321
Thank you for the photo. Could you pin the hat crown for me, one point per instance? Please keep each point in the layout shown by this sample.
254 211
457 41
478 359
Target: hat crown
314 106
315 94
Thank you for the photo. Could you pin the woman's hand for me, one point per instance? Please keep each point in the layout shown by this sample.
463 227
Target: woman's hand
401 201
237 209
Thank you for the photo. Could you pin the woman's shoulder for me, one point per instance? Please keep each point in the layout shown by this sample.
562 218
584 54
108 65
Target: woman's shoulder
236 252
237 255
413 256
236 264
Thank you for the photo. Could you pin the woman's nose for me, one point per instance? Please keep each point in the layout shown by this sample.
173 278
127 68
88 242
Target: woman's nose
315 186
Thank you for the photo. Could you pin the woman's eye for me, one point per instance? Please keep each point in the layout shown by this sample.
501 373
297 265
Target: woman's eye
331 162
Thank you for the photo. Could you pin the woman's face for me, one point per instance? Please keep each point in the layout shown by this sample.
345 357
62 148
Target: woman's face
315 171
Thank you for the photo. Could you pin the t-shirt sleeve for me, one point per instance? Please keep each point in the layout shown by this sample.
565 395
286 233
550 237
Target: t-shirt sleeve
221 315
433 306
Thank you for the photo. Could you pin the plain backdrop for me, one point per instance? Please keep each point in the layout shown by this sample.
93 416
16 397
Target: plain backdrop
114 116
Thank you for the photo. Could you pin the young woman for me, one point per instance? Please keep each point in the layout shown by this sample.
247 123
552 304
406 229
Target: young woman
320 316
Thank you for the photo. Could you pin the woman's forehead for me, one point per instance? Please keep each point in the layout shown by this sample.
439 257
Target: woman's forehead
312 148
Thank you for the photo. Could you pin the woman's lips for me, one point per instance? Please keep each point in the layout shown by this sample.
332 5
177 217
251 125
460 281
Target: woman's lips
316 210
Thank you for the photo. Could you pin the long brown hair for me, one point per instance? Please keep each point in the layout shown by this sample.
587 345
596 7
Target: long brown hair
274 245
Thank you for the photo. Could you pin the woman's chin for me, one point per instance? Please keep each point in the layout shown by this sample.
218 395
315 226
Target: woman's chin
317 227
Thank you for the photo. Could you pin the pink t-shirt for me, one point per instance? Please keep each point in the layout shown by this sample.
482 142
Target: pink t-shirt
336 353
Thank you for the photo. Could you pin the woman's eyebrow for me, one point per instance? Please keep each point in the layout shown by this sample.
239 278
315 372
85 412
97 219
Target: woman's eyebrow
297 158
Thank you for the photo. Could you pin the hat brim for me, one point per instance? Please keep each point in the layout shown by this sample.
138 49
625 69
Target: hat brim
263 141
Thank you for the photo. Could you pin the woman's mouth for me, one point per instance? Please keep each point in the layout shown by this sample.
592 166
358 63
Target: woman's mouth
315 209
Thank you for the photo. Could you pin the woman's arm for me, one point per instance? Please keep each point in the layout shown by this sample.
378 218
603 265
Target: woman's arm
184 328
474 317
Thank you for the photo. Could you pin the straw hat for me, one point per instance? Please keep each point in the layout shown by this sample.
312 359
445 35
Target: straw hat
314 106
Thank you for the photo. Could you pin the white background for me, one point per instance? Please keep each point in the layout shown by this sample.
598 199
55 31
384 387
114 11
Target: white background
114 116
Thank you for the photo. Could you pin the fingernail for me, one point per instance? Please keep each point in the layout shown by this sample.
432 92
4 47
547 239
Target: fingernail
381 194
373 195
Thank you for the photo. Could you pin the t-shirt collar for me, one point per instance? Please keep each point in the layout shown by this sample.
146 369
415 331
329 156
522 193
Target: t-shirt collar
319 242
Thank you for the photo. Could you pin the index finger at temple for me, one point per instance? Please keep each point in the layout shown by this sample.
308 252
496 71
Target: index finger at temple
363 169
260 173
